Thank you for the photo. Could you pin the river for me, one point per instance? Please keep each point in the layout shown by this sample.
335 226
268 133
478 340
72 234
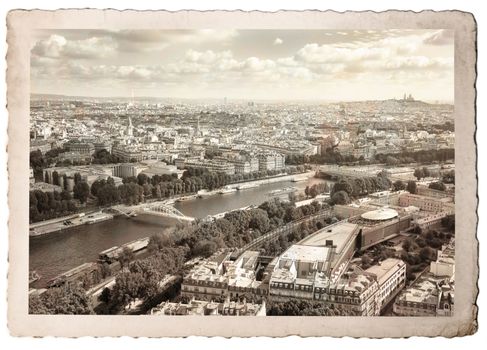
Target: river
54 253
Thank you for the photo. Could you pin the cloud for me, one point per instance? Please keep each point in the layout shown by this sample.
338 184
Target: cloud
441 37
314 53
57 46
51 47
418 63
278 41
126 58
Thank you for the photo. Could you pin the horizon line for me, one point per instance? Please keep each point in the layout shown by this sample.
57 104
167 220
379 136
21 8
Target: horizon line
438 101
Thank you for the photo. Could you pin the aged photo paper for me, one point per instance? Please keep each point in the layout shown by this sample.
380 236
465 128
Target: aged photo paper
288 173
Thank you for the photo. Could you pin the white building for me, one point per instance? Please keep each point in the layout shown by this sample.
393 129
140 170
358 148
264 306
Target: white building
391 276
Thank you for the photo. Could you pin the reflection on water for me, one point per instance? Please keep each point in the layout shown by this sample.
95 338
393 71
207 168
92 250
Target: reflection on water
55 253
202 207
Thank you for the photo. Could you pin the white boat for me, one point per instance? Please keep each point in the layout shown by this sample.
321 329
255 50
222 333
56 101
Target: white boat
247 186
205 193
185 198
282 191
98 217
227 190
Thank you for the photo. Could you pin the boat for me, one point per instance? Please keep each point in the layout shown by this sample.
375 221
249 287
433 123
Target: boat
185 198
33 276
98 217
247 186
227 190
72 274
111 254
282 191
205 193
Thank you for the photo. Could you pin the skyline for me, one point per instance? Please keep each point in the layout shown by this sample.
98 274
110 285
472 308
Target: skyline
294 65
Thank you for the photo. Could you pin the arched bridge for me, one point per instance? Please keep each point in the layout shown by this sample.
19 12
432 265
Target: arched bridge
156 208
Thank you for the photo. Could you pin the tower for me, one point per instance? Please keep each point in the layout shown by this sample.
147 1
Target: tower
130 128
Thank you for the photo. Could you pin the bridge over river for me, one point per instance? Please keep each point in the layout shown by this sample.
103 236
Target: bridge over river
154 208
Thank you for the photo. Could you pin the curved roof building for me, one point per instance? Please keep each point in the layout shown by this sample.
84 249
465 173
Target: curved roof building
380 214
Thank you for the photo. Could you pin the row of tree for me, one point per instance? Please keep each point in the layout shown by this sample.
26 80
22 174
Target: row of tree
240 227
332 156
316 189
48 205
295 307
345 189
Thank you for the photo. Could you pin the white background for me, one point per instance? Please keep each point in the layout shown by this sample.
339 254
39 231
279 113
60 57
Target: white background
470 342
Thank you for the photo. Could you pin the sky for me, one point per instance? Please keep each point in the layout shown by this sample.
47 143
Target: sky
327 65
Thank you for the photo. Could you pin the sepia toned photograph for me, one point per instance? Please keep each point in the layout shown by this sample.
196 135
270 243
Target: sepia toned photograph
233 171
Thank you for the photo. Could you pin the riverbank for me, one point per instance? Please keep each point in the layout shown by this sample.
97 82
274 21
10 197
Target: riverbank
66 222
273 179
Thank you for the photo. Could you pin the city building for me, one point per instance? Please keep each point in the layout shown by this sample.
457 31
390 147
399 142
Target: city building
218 277
210 308
125 170
127 153
271 161
217 166
426 203
317 268
428 296
40 145
159 168
380 225
83 148
445 261
391 276
74 157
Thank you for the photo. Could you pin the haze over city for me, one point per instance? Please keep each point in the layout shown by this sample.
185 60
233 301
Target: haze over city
327 65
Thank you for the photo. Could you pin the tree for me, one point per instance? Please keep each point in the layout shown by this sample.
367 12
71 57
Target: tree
439 186
157 242
125 257
449 177
106 295
142 179
77 178
66 195
81 191
205 248
70 299
55 178
340 197
418 173
398 185
426 254
411 187
292 197
391 161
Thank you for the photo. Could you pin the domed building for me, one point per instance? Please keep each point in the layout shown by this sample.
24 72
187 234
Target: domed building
382 214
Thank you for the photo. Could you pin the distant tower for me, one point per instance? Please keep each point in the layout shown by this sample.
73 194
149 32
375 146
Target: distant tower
132 100
130 128
404 98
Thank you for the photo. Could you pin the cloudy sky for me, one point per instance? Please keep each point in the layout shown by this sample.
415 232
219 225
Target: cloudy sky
245 64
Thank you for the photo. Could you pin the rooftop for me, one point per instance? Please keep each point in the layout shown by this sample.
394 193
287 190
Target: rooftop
380 214
385 269
340 233
305 253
